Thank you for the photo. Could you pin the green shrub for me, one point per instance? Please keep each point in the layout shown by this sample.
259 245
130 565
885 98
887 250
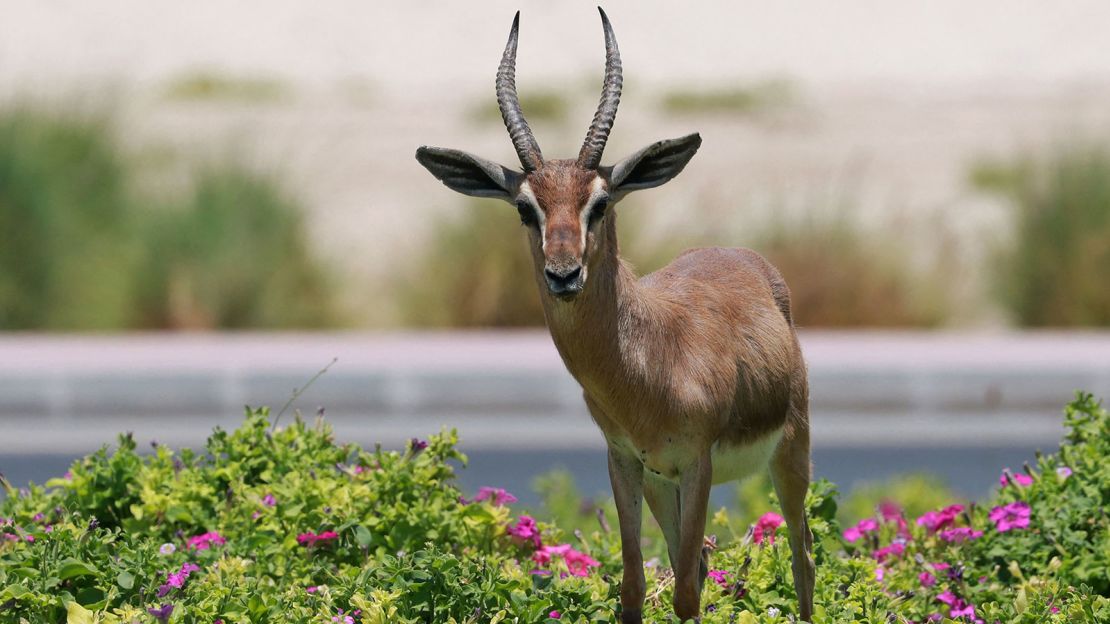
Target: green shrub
538 106
205 85
285 525
84 250
743 100
1055 271
232 255
68 224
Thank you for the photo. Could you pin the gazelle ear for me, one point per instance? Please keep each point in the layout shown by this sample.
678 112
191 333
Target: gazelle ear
654 165
468 174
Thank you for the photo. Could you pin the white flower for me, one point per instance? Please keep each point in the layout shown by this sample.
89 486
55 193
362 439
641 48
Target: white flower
167 549
773 611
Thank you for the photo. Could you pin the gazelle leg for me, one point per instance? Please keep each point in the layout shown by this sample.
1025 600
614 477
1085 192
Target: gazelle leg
693 503
626 473
662 499
790 471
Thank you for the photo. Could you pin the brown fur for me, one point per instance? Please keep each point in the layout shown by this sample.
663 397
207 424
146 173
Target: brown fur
701 354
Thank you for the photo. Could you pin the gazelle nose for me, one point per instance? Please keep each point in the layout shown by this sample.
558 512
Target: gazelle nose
566 282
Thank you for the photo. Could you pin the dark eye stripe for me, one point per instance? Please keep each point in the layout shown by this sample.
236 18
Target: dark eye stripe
527 213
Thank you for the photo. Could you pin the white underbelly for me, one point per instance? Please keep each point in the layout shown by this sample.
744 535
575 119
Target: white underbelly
733 462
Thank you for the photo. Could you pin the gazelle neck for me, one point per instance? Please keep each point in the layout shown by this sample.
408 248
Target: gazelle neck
592 332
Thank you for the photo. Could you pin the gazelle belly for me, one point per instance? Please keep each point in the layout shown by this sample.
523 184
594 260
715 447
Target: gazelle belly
738 461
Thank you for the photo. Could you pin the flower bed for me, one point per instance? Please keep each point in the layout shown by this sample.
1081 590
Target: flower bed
287 526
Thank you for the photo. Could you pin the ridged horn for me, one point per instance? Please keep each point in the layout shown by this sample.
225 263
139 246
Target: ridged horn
523 140
598 134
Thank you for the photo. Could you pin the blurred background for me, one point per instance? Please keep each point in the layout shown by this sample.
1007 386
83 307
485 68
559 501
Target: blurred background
203 205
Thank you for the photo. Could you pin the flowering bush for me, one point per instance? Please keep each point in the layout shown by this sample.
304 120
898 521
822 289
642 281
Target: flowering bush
289 526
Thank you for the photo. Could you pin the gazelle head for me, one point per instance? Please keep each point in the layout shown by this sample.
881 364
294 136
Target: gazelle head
562 202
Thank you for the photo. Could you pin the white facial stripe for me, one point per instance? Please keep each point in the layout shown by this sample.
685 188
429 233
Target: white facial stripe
597 189
541 218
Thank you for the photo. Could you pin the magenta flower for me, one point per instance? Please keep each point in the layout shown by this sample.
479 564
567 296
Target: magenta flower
961 534
313 539
1012 516
765 528
1023 480
863 527
719 577
269 500
177 579
525 530
417 445
312 589
579 563
163 613
934 521
927 579
890 511
957 606
204 541
498 496
894 550
342 618
880 572
555 615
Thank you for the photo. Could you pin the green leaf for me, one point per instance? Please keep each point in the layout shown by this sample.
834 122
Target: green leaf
363 536
125 580
14 591
72 568
76 614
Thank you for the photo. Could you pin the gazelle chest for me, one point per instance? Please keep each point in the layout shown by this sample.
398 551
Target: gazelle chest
671 457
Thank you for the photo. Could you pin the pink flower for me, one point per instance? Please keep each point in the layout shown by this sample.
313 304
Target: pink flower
927 579
555 615
1012 516
312 539
343 619
269 500
1023 480
579 563
312 589
177 579
719 577
525 530
957 606
890 511
1063 472
896 549
204 541
498 496
934 521
863 527
880 572
765 528
961 534
543 555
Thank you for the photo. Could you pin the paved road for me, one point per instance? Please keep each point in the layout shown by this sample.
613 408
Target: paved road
961 405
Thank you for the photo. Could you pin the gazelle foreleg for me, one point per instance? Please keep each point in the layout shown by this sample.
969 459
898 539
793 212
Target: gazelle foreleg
626 474
790 472
662 499
694 486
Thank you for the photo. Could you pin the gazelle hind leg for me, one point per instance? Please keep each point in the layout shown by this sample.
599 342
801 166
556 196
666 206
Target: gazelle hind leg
790 473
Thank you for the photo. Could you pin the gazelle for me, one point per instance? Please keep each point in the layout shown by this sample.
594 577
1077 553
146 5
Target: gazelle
693 373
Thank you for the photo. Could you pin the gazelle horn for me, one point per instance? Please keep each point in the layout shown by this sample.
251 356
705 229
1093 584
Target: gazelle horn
523 140
598 134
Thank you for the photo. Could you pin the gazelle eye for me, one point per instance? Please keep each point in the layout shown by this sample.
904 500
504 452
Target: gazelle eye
527 214
598 209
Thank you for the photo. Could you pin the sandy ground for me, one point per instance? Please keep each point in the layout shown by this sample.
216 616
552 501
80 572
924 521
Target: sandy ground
893 101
